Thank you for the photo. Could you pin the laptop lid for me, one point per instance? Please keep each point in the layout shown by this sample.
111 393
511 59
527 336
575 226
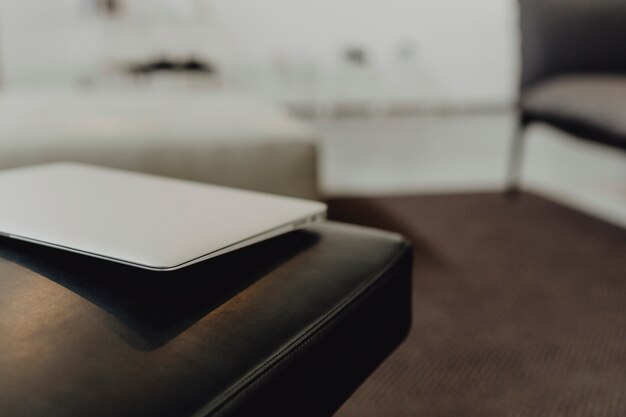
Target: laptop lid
142 220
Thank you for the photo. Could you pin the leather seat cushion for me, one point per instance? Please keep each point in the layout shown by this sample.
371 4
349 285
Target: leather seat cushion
287 327
590 106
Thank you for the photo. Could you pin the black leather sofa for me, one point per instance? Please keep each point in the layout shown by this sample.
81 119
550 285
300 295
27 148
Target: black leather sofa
287 327
573 72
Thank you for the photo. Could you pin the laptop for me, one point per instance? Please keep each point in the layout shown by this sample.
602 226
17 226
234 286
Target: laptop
141 220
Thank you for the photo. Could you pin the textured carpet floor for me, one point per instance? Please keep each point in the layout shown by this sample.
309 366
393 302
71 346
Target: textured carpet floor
519 310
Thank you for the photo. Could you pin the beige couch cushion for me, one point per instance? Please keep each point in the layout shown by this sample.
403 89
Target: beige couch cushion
591 106
220 138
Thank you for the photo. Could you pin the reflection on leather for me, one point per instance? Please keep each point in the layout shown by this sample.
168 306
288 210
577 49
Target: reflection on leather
157 306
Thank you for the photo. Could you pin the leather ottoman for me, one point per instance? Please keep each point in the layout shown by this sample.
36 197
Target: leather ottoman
287 327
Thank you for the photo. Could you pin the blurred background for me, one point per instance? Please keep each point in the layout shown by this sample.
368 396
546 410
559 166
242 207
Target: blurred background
402 96
302 53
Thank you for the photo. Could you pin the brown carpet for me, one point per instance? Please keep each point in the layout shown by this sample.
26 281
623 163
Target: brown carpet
519 310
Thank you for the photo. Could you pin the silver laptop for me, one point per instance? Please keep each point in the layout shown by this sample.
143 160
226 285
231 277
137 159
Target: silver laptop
141 220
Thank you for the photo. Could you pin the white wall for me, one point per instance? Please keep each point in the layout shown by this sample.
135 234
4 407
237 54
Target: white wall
466 50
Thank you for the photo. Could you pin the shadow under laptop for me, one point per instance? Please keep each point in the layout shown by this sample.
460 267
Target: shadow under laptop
157 306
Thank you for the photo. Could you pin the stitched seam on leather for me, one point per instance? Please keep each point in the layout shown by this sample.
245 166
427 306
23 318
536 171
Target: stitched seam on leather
314 330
